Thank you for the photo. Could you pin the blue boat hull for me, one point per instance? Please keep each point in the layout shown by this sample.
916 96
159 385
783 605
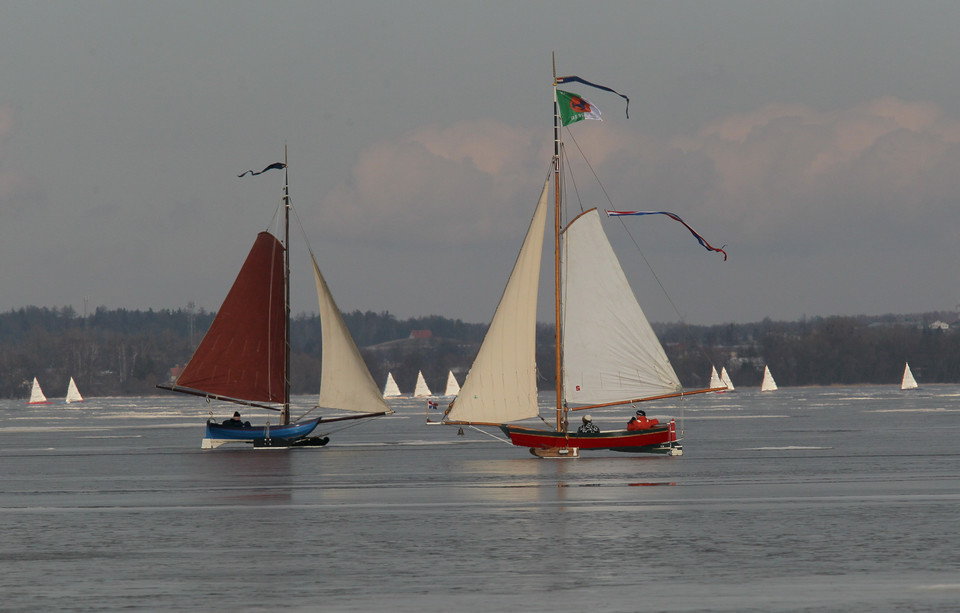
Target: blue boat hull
254 434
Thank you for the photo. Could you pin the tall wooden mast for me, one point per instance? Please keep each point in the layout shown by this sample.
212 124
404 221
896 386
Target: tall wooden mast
285 412
556 249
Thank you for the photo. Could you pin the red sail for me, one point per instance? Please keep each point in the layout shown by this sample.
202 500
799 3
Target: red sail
242 355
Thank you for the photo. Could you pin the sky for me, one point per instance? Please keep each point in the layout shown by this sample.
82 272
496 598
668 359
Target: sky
818 141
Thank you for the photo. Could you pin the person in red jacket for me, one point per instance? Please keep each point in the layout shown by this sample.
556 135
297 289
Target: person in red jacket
640 421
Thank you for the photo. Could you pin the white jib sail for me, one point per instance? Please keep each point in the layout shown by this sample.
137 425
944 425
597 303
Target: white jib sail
502 383
768 384
610 352
908 382
715 380
36 394
421 391
453 388
391 389
73 394
345 382
725 379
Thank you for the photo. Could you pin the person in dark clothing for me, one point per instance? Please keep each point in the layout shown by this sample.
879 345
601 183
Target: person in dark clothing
236 421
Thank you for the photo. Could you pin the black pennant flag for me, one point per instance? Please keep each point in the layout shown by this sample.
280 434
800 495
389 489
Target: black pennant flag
576 79
270 167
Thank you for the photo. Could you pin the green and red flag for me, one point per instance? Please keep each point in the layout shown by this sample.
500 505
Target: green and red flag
574 107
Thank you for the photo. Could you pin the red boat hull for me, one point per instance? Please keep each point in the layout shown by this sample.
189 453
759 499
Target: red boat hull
659 439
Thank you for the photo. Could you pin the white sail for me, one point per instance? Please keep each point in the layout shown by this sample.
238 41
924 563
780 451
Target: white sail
715 380
908 382
502 383
421 391
610 352
391 389
725 379
345 382
768 384
73 394
36 394
453 388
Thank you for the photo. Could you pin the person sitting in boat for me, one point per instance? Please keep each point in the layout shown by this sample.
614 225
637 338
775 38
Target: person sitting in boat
236 421
640 421
588 427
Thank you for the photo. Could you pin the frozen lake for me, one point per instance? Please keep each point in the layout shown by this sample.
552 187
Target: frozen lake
803 499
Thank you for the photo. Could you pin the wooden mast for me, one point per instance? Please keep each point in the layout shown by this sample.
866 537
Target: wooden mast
285 412
556 249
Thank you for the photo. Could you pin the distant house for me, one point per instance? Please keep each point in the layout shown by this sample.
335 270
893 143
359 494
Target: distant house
421 334
939 325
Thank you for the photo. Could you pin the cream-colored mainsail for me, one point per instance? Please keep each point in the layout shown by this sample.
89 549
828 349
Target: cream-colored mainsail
391 389
345 382
725 379
768 384
610 352
73 394
502 383
908 382
453 388
421 390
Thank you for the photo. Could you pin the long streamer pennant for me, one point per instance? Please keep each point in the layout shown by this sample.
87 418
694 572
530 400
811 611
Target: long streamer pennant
675 217
270 167
576 79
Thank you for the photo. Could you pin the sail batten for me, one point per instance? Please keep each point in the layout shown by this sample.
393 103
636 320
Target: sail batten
501 385
610 352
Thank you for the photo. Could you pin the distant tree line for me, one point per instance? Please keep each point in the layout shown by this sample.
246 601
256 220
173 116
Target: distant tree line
122 352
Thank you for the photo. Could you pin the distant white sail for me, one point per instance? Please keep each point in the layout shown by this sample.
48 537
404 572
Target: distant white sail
36 394
421 391
73 394
453 388
391 389
768 384
725 379
908 382
715 380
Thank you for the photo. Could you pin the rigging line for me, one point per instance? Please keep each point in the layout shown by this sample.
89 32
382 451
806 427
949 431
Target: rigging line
683 321
303 233
590 166
568 171
494 436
